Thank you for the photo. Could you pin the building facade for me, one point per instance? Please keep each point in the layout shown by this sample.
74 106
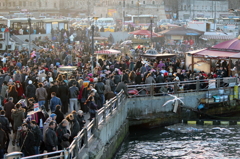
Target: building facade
190 9
119 8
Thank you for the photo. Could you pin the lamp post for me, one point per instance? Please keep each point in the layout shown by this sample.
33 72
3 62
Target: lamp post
30 28
151 29
93 28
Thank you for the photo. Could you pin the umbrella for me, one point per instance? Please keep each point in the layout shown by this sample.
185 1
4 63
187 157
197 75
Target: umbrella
144 32
107 52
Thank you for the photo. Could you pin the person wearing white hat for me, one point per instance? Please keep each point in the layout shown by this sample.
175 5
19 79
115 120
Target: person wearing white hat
30 90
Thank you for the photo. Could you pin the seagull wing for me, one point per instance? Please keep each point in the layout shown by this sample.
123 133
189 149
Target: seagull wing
172 95
167 102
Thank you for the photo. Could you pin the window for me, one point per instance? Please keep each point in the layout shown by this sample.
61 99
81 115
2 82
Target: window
132 2
3 4
30 3
0 4
20 3
120 3
14 4
40 5
143 2
9 4
24 3
153 2
55 5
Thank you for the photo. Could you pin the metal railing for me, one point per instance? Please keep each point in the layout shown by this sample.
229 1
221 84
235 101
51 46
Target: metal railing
85 136
158 89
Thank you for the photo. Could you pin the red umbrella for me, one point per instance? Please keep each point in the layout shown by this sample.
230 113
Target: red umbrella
144 32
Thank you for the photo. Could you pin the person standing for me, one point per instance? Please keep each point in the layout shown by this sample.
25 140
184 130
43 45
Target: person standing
8 109
18 117
54 102
51 140
5 126
62 131
41 94
100 90
4 89
3 139
73 96
26 141
30 90
63 95
37 136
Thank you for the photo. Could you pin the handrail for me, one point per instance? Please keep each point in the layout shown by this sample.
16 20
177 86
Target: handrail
182 86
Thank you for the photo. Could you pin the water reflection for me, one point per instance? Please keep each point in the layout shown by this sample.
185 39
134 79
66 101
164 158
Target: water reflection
213 142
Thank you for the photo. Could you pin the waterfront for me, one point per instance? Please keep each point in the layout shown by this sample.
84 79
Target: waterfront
213 142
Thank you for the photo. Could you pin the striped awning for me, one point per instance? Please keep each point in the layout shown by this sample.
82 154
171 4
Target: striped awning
107 52
217 37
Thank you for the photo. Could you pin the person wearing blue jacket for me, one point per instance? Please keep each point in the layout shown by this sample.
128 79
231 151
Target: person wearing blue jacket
54 101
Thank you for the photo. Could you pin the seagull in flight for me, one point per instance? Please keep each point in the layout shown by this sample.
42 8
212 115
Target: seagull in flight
174 100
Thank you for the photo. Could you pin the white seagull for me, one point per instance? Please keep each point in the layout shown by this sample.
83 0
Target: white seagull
174 100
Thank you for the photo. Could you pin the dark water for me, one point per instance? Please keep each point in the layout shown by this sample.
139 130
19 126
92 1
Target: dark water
213 142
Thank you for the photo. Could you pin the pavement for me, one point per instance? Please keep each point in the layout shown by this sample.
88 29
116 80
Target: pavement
12 148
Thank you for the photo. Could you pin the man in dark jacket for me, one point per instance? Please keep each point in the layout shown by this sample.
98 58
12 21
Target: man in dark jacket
3 139
73 96
125 76
61 131
5 126
63 95
26 141
120 86
30 90
100 90
37 136
8 108
54 102
51 140
80 119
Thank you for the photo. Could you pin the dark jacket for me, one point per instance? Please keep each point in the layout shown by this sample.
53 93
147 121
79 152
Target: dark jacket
63 92
100 87
26 142
41 94
60 116
74 127
51 138
138 79
117 79
5 124
14 95
30 91
73 92
8 107
125 78
81 121
3 138
52 89
61 130
37 135
160 79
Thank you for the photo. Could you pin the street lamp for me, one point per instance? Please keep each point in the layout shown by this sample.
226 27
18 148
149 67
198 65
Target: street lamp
30 28
93 28
151 28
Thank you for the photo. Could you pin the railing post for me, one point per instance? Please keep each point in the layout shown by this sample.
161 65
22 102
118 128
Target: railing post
111 109
175 88
218 82
96 121
152 89
236 80
104 113
197 86
86 137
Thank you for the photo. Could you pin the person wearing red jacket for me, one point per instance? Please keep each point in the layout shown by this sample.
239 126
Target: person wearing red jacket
19 88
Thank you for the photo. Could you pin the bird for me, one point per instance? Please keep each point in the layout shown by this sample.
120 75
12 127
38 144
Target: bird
176 99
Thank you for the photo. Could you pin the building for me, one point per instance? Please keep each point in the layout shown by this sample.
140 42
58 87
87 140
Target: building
29 6
119 8
190 9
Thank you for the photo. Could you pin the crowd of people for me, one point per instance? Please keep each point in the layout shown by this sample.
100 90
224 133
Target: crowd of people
64 98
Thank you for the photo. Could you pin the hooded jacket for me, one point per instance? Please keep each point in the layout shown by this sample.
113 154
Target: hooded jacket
17 116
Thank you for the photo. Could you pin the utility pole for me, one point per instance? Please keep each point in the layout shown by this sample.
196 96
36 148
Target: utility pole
215 16
30 28
92 46
138 10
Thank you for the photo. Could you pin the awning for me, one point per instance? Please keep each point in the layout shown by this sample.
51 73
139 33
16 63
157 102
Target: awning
217 37
214 54
164 56
107 52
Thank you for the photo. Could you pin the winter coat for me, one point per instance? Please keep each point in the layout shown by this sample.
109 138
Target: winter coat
26 142
17 116
3 138
81 121
73 92
60 116
3 90
41 94
63 92
100 87
37 135
30 91
8 108
55 101
61 131
14 95
51 138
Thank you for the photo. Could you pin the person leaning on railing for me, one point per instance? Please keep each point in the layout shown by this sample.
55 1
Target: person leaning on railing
120 86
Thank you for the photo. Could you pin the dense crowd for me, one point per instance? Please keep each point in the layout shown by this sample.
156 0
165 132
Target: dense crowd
34 76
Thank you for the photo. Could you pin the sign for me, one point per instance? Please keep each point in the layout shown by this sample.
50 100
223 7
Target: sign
111 12
212 84
36 107
176 37
192 34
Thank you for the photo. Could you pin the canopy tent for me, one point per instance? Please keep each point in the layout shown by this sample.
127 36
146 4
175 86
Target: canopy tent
213 53
229 45
108 52
151 53
182 31
220 37
144 32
